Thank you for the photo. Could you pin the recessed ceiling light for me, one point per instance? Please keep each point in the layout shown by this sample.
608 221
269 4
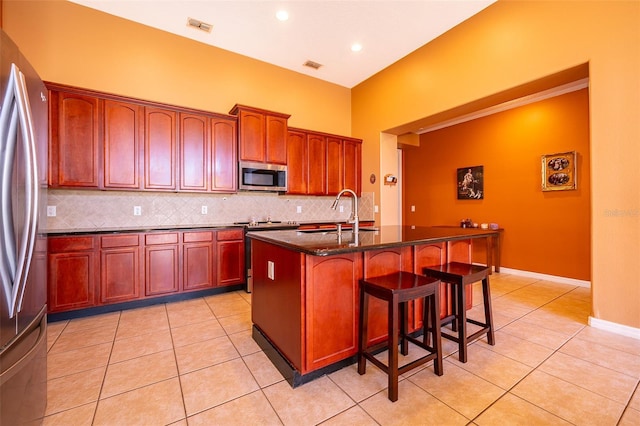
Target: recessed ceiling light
282 15
356 47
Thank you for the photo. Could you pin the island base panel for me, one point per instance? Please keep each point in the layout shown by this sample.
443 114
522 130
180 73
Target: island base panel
288 371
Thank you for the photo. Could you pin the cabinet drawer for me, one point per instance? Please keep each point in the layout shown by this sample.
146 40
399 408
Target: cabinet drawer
230 234
197 237
168 238
66 244
112 241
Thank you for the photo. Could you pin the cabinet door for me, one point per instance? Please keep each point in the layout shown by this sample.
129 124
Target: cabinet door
160 149
75 141
252 136
72 269
331 316
317 164
122 129
377 263
224 163
230 257
352 154
334 165
194 152
297 161
161 264
197 260
276 140
119 268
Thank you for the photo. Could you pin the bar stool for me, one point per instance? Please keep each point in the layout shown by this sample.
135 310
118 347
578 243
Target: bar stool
460 275
397 290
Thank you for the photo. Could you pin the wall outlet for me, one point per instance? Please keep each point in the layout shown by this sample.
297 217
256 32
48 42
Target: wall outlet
204 210
299 209
341 209
137 210
413 208
271 273
375 209
51 211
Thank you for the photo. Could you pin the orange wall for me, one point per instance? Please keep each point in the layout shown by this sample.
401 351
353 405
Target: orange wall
72 44
511 43
545 232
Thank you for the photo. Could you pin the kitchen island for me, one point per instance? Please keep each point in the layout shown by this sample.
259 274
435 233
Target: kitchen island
305 290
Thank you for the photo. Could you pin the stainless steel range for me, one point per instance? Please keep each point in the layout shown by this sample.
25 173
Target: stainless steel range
268 225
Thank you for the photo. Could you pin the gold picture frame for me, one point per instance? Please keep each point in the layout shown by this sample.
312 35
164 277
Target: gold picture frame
559 171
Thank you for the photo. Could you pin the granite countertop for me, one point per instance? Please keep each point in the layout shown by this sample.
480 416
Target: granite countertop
127 229
114 230
327 242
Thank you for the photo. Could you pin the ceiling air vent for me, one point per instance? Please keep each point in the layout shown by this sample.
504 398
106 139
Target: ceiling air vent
202 26
312 64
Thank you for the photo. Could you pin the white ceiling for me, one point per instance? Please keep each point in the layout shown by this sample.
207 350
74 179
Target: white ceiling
318 30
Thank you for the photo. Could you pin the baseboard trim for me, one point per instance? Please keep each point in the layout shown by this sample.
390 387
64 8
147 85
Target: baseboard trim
616 328
546 277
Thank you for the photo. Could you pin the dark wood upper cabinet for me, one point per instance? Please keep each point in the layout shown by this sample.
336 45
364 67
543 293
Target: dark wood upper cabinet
322 164
262 135
317 164
276 142
252 136
195 142
335 161
297 162
122 136
224 160
74 152
352 155
160 149
103 141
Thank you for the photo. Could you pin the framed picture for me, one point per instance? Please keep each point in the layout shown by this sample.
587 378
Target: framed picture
471 183
559 171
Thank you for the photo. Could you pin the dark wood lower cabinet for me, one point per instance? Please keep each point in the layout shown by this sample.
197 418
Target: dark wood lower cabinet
230 257
338 307
119 268
198 255
72 273
162 256
95 270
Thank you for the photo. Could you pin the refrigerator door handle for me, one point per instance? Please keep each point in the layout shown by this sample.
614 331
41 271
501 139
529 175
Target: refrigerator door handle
15 254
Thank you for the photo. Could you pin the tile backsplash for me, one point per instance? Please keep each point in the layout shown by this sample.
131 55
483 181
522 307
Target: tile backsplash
81 210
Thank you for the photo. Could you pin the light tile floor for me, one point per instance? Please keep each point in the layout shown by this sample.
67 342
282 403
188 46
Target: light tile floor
195 363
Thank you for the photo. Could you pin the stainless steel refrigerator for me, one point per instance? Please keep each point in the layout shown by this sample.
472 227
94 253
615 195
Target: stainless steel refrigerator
23 248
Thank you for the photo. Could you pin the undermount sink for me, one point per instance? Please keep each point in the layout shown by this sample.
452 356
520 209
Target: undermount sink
335 230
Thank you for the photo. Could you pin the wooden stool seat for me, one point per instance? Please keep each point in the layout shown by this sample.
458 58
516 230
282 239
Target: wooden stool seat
459 275
397 290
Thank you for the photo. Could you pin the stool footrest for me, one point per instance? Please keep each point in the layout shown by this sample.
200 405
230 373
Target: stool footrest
409 366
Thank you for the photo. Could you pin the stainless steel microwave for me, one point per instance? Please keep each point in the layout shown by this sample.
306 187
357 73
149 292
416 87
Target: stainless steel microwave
262 177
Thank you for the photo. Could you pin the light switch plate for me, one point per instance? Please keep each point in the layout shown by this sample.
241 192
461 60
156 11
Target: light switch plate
51 211
299 209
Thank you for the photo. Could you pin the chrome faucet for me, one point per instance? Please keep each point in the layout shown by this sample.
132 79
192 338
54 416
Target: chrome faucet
354 209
